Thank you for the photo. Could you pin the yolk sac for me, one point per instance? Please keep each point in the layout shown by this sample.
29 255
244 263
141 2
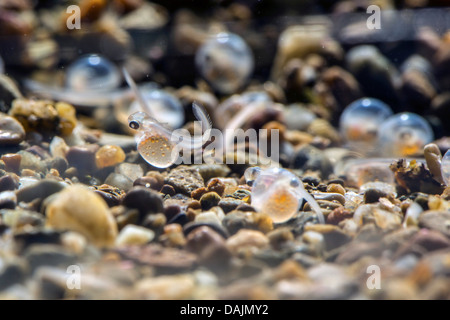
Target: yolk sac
446 167
360 121
225 61
166 108
92 73
404 134
159 145
278 193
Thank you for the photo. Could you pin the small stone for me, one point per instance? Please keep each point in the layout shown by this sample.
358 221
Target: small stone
21 219
373 195
168 190
7 182
82 157
280 237
90 216
119 181
148 182
184 179
8 200
11 272
336 188
108 156
210 247
130 170
31 161
134 235
338 214
112 196
39 190
435 220
11 131
48 255
145 200
162 287
356 250
247 241
334 237
229 204
209 200
173 236
74 242
424 241
216 185
12 161
311 158
164 259
198 193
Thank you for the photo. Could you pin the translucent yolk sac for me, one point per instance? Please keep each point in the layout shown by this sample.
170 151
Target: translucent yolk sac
360 121
225 61
274 198
92 73
156 149
404 134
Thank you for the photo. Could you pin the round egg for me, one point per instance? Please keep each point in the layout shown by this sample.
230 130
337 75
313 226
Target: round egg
404 134
225 61
360 121
92 73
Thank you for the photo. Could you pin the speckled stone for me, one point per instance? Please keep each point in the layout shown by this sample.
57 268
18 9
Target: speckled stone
184 179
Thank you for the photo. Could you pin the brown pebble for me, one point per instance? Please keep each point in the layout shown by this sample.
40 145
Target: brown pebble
210 247
148 182
198 193
336 188
12 161
217 186
7 182
338 214
173 236
168 189
82 158
280 237
108 156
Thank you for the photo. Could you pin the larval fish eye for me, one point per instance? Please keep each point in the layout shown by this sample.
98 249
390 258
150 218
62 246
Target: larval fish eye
404 134
360 121
294 182
92 73
225 61
134 125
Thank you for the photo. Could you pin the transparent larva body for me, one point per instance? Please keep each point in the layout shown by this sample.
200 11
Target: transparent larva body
360 122
404 134
225 61
278 193
92 73
446 168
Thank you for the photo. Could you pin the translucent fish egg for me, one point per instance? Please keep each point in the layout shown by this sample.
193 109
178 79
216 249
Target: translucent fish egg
278 193
225 61
404 134
446 167
360 121
165 107
92 73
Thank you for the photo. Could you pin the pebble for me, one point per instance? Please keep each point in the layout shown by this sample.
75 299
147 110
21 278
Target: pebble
11 131
247 241
209 200
311 158
161 288
229 204
39 190
90 217
12 161
108 156
130 170
82 157
21 219
8 200
333 236
119 181
210 248
48 255
112 196
184 179
8 182
436 220
134 235
145 200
